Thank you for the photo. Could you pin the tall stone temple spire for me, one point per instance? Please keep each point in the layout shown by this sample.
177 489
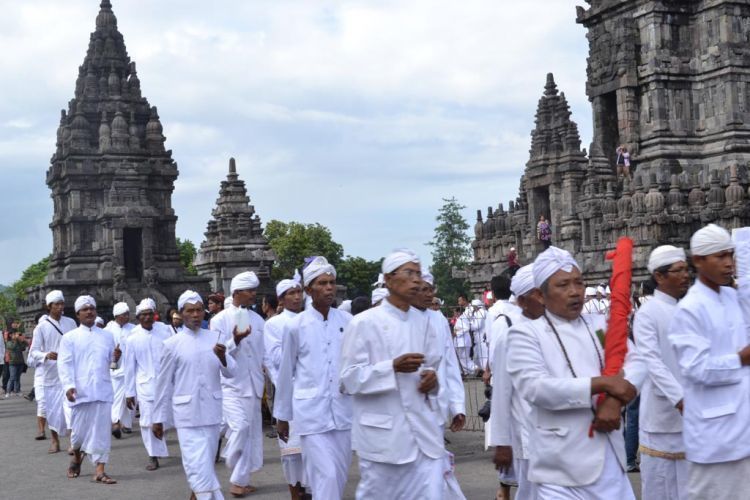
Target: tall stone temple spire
112 180
234 238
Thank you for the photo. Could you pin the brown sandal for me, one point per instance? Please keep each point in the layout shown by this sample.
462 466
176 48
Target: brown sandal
74 469
104 479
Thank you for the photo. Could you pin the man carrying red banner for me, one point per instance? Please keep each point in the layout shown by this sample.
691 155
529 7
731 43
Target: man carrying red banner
556 364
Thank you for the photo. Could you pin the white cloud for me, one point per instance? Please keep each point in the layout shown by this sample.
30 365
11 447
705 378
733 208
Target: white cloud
359 115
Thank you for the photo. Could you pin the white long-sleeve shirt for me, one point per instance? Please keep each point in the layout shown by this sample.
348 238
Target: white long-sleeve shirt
707 332
142 360
273 334
189 382
47 336
83 364
509 412
451 395
307 389
248 377
120 335
393 421
662 389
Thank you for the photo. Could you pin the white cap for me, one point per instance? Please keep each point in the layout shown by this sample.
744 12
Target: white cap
54 296
84 301
550 261
317 267
120 308
711 239
188 297
398 258
246 280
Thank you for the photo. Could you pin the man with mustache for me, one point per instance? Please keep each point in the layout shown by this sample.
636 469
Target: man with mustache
307 385
663 466
556 365
709 335
389 364
83 365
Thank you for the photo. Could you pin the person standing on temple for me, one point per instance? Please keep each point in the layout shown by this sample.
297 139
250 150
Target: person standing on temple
709 335
308 386
188 390
544 232
120 327
289 292
241 331
44 351
84 360
663 466
389 364
141 365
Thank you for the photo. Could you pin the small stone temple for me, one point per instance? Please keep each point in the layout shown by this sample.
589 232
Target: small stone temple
234 238
670 81
112 179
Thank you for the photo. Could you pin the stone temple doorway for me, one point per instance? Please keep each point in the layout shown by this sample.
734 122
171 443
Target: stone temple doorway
609 124
132 245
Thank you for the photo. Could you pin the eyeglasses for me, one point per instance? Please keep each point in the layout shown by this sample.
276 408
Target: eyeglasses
409 273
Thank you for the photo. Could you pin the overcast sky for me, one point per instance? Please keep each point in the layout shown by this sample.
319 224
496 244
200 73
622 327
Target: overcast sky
360 115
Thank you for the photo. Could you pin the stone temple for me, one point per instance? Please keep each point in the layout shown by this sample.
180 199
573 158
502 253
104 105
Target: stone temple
112 180
234 239
671 81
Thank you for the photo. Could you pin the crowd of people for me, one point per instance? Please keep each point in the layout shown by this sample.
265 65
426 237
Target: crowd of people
382 378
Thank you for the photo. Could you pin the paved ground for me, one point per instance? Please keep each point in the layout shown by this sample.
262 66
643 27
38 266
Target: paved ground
28 472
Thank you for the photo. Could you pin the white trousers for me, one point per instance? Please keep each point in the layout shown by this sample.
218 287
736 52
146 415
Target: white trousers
467 364
41 404
120 411
720 481
326 457
244 449
91 430
55 404
612 484
154 447
526 489
421 479
291 458
663 479
198 449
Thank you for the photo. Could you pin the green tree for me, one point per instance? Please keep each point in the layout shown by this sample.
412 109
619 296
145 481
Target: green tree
293 241
187 255
450 249
358 275
31 276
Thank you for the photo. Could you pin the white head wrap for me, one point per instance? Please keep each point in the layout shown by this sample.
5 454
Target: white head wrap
99 321
54 296
665 255
145 305
600 290
188 297
711 239
346 306
381 281
523 281
284 286
398 258
550 261
379 294
227 302
476 303
428 277
83 301
120 308
244 281
317 267
590 291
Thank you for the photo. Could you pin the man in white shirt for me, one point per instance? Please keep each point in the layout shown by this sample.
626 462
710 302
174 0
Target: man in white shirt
501 310
84 365
468 330
289 292
38 391
141 365
709 335
510 412
389 364
188 389
663 465
44 350
120 327
556 364
242 393
307 385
